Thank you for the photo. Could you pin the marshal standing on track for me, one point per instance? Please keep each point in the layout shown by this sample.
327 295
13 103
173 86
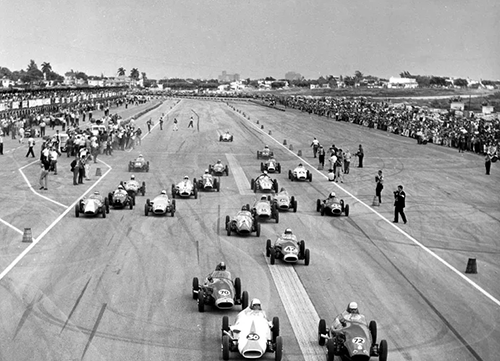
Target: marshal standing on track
399 204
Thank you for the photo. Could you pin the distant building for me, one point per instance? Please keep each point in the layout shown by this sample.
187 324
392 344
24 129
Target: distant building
225 77
7 82
406 83
291 75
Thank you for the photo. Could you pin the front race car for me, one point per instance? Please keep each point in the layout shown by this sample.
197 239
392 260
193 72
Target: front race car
185 189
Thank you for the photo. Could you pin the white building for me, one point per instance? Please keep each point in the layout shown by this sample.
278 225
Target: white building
405 83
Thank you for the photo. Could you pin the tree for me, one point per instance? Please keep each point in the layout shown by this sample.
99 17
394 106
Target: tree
134 73
349 81
358 76
121 71
46 68
269 78
462 83
277 84
143 74
33 74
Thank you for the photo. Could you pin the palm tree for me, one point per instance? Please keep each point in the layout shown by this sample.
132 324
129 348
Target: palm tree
134 73
121 71
46 68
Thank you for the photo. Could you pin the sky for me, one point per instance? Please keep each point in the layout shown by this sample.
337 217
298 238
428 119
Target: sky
254 38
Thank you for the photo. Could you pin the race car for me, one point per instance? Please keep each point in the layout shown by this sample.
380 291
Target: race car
332 206
264 183
287 248
354 341
138 164
266 153
120 198
161 204
226 137
92 205
218 169
244 223
219 290
185 189
265 208
271 165
284 201
300 173
208 183
252 335
133 187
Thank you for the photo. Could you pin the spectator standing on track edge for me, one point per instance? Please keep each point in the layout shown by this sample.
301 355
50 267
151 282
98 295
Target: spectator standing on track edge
1 142
315 146
45 165
149 123
399 204
487 163
347 161
161 121
360 154
321 157
379 180
31 144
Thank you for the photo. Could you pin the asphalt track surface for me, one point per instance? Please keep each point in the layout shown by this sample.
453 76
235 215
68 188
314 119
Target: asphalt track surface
120 288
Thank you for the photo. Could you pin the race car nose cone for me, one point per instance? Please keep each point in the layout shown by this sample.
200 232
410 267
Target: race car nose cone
290 258
224 303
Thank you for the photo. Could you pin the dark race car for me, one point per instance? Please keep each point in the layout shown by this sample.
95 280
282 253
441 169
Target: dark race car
332 206
185 189
284 201
120 198
218 169
219 290
300 173
226 137
265 209
208 183
287 248
160 205
271 165
138 165
93 205
243 223
264 183
354 341
133 187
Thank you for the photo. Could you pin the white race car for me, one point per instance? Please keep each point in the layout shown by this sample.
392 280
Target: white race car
264 183
93 205
161 204
271 165
208 183
226 137
185 189
265 208
252 335
300 173
218 169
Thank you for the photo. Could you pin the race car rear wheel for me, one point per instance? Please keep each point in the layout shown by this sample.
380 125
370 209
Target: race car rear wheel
225 325
373 330
225 347
237 288
173 191
196 287
228 228
278 349
131 203
77 210
227 170
309 176
195 191
277 216
382 350
321 331
143 190
307 257
330 353
106 205
272 260
276 188
278 168
290 175
302 248
295 206
322 210
103 211
146 209
252 184
244 300
133 199
268 248
217 182
257 229
346 210
318 205
201 301
262 167
227 221
276 328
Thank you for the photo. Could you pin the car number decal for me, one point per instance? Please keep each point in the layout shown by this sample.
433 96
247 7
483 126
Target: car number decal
289 248
224 292
358 340
253 337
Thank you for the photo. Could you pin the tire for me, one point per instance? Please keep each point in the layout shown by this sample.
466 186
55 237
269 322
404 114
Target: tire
318 205
77 210
148 202
227 221
310 176
330 353
257 229
346 210
290 175
302 248
196 287
173 204
373 330
225 325
143 191
103 211
272 260
133 199
220 138
258 155
225 347
227 170
307 257
237 288
173 191
172 212
244 300
321 331
147 166
201 301
276 188
276 328
146 209
279 168
228 229
106 205
110 198
252 184
268 248
261 167
322 210
218 185
279 349
295 206
382 351
195 190
131 203
277 215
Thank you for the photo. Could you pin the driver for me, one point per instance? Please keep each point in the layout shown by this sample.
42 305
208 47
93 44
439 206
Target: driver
300 165
332 196
121 190
266 150
245 210
285 237
254 309
96 195
140 158
219 161
164 193
263 175
351 314
206 176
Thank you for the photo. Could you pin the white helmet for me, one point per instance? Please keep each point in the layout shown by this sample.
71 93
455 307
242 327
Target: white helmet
186 177
352 307
163 192
255 304
265 172
288 231
120 187
206 171
96 192
140 155
332 195
132 176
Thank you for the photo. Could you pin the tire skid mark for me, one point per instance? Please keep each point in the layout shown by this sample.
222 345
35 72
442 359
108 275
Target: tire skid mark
75 305
94 329
25 315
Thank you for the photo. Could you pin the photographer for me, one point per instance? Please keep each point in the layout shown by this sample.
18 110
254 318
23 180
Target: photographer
399 204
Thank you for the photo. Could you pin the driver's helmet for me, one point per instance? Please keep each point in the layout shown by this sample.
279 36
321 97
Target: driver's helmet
288 231
96 193
163 192
120 187
300 165
186 177
140 156
332 195
227 131
352 307
244 208
266 147
265 172
218 161
206 171
255 304
132 176
263 198
221 267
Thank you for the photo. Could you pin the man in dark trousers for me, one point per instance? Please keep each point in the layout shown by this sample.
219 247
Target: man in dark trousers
31 144
399 204
149 123
360 154
161 122
487 163
321 157
191 125
379 180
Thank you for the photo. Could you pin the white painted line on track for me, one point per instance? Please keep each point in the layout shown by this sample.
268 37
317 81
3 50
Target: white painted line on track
299 308
11 226
239 176
33 190
52 225
441 260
